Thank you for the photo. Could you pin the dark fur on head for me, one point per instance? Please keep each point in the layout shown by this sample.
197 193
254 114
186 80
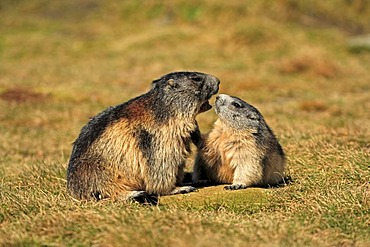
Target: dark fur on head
238 114
186 91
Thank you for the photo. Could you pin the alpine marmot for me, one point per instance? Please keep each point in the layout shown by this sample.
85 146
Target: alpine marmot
241 149
137 150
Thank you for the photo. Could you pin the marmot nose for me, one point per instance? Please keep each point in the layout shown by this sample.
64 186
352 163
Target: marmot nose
219 99
213 80
221 96
217 81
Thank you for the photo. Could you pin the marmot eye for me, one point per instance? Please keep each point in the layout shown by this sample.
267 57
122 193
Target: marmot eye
236 105
253 117
197 78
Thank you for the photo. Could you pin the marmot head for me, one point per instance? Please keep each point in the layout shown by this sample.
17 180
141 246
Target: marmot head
238 114
186 92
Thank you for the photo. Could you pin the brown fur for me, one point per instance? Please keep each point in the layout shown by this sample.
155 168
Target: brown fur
240 155
138 149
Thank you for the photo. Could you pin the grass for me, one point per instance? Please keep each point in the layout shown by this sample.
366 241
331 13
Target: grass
63 62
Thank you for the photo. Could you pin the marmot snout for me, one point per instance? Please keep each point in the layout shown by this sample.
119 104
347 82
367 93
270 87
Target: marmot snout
241 149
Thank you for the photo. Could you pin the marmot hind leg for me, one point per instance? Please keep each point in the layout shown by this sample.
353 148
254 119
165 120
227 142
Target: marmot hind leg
183 190
140 196
236 187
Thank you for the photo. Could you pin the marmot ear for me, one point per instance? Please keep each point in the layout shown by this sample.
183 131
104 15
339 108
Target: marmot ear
171 82
154 83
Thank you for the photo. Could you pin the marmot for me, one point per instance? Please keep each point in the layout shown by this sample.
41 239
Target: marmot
137 150
241 149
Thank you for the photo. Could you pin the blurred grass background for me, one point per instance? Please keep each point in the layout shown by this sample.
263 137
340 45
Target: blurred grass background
62 62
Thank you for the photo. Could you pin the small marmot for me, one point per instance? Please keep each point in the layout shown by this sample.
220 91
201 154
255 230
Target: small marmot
241 150
137 150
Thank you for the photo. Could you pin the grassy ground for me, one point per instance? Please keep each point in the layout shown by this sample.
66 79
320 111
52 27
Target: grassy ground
62 62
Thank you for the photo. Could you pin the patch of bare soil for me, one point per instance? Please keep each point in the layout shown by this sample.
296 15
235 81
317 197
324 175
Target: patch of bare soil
22 95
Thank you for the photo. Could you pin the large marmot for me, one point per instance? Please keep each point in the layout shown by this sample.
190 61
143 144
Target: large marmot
137 150
241 150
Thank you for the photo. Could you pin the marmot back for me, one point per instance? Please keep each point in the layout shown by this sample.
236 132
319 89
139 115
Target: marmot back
241 149
137 150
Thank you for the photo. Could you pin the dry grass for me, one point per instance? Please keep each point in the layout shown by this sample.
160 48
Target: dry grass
63 62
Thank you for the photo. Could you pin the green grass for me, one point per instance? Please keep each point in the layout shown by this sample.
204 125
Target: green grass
64 61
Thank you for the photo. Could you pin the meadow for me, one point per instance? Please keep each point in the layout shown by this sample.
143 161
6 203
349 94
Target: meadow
62 62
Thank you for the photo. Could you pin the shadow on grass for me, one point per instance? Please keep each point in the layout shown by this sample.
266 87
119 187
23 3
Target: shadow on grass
214 197
287 180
